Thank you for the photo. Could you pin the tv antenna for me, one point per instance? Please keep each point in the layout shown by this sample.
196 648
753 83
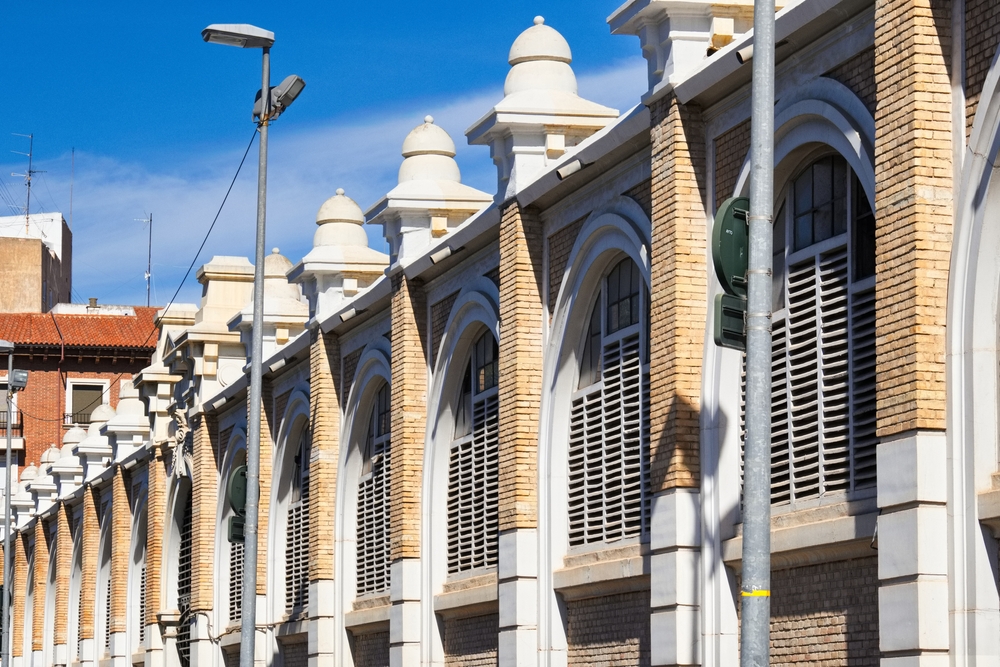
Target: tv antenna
149 253
27 175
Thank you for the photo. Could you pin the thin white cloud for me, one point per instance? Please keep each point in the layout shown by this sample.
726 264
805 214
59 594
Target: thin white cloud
306 165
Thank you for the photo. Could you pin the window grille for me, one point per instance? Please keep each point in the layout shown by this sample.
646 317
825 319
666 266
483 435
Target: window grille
236 553
76 585
297 531
373 501
105 524
823 341
184 586
473 466
609 418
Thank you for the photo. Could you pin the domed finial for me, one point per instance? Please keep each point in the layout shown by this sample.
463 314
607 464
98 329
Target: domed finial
274 251
429 119
340 191
539 20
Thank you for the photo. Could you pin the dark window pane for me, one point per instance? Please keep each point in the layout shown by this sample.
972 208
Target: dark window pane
803 193
803 231
864 234
823 222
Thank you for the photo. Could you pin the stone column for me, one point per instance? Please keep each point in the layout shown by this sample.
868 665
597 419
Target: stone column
156 512
121 547
64 568
409 418
89 545
520 388
913 205
678 290
324 413
19 542
204 530
41 567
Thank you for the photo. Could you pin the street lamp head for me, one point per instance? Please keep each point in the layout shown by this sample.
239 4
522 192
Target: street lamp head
282 96
238 34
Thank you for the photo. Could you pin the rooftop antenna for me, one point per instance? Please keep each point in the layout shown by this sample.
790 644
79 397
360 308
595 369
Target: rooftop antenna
27 175
149 253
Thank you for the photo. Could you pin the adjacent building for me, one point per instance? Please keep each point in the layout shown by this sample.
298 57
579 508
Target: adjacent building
513 440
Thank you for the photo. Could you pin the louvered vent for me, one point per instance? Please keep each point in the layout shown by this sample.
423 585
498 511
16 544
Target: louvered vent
142 604
373 501
823 349
184 587
107 616
609 421
473 470
297 533
236 551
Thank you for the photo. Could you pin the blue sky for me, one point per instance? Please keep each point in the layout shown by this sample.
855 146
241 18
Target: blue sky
159 119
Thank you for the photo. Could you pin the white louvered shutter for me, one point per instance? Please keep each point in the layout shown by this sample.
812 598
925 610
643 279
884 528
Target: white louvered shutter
373 502
236 555
608 459
184 566
297 535
473 470
823 370
142 602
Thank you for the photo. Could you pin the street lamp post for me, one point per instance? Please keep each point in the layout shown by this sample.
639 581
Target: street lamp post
272 103
8 347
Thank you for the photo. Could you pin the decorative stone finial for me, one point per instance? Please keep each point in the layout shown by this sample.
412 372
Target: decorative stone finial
274 251
539 20
429 119
340 191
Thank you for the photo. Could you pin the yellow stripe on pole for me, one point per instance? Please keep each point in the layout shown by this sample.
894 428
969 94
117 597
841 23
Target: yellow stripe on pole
756 594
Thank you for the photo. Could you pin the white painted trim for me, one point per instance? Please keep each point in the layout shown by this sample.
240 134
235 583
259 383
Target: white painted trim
374 367
620 228
475 309
973 392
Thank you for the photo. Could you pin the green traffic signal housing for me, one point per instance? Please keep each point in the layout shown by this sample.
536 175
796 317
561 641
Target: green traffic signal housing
731 255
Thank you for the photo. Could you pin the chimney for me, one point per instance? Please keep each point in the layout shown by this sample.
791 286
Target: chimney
92 307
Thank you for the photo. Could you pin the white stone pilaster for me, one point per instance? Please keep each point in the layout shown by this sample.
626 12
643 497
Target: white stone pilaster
404 615
912 560
675 546
322 623
518 598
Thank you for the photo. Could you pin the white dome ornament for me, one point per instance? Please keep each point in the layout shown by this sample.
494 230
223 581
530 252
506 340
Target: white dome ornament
541 118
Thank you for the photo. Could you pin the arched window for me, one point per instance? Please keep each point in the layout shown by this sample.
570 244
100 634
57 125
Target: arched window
823 350
373 501
297 530
75 611
237 551
473 464
609 419
184 570
104 574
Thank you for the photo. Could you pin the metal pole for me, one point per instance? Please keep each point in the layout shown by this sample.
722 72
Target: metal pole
248 620
756 586
5 637
149 258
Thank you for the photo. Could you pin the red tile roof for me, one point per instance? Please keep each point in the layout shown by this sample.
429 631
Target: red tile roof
106 331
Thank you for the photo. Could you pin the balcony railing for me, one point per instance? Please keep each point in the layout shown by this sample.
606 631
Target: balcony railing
16 427
76 418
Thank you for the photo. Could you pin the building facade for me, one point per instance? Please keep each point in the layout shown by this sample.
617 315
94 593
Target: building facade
513 440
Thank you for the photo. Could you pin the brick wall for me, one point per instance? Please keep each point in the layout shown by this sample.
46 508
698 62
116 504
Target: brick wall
89 562
295 654
41 583
64 564
371 650
858 74
324 412
913 203
204 510
121 540
350 368
520 365
43 402
643 195
20 558
268 429
679 292
156 479
731 149
409 410
439 320
826 614
982 38
560 246
471 642
609 631
280 404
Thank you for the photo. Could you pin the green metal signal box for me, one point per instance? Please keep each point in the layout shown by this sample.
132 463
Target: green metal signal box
731 245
